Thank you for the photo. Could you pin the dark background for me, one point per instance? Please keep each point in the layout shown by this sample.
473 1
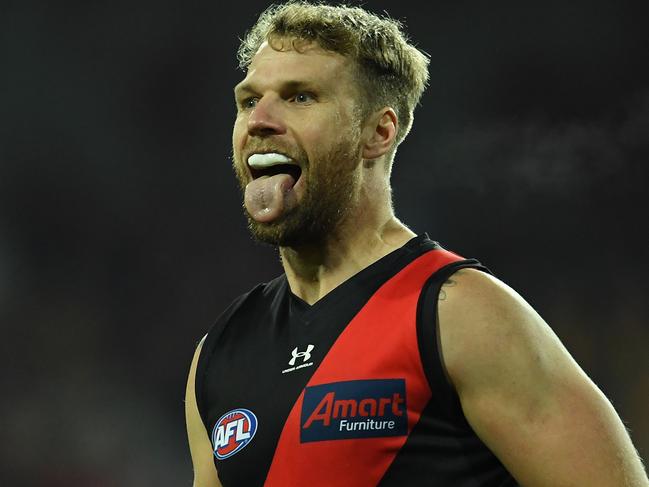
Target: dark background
121 235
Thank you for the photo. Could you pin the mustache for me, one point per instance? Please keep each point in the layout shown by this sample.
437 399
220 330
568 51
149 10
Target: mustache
257 146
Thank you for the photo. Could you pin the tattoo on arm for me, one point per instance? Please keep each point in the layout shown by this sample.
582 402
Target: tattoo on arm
442 293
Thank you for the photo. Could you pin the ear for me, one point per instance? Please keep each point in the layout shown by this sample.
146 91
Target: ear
380 131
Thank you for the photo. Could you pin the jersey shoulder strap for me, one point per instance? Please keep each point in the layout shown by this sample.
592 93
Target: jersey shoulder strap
428 338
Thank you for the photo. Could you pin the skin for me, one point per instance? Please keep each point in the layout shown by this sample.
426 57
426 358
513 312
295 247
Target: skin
523 394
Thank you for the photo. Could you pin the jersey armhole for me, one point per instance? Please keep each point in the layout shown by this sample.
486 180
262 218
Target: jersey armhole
209 342
201 367
428 339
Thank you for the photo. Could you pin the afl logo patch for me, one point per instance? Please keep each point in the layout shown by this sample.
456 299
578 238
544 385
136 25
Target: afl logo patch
232 432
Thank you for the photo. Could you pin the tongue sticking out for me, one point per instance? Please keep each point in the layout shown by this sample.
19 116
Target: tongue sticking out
269 197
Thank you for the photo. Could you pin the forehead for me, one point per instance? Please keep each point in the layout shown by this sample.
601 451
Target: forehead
308 63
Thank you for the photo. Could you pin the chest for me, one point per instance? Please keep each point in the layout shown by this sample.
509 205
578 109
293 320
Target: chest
331 394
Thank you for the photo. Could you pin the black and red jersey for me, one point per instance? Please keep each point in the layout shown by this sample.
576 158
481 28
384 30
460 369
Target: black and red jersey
349 391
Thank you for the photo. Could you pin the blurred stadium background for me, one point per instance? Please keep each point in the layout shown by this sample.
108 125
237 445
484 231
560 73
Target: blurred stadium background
121 235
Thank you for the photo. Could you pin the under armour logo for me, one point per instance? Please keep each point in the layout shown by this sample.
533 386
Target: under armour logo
305 355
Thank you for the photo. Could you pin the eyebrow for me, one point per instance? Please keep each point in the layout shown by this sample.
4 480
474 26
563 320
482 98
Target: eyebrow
290 85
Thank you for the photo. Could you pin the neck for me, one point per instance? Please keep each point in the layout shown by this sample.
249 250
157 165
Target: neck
315 270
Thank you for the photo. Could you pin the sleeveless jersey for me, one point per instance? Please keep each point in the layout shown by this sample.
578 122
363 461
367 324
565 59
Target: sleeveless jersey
348 392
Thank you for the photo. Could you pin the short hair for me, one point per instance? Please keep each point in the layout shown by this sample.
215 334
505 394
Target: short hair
390 70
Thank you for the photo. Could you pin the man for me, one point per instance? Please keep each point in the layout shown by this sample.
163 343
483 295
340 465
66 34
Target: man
378 358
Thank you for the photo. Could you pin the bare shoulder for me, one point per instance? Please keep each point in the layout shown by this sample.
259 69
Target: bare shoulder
478 287
524 394
483 321
200 448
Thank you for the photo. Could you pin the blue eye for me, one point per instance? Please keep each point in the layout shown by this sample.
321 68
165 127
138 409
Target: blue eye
303 98
249 103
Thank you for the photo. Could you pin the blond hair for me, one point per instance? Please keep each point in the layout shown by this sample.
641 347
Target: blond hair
390 70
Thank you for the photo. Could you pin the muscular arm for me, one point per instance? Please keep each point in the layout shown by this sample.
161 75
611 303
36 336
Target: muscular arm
525 396
199 443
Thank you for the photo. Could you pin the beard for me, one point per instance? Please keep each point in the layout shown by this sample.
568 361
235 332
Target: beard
331 184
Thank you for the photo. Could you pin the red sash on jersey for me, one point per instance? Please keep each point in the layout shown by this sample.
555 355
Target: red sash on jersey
380 343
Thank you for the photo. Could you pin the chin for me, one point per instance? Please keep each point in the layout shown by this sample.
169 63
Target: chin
287 233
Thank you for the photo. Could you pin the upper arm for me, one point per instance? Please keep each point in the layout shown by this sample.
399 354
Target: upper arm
525 396
199 442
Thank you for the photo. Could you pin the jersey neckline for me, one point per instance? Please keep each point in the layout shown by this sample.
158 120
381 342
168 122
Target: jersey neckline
410 250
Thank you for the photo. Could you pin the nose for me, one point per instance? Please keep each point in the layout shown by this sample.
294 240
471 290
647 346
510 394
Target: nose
265 118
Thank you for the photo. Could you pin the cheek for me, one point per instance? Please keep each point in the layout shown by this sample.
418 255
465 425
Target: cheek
239 133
